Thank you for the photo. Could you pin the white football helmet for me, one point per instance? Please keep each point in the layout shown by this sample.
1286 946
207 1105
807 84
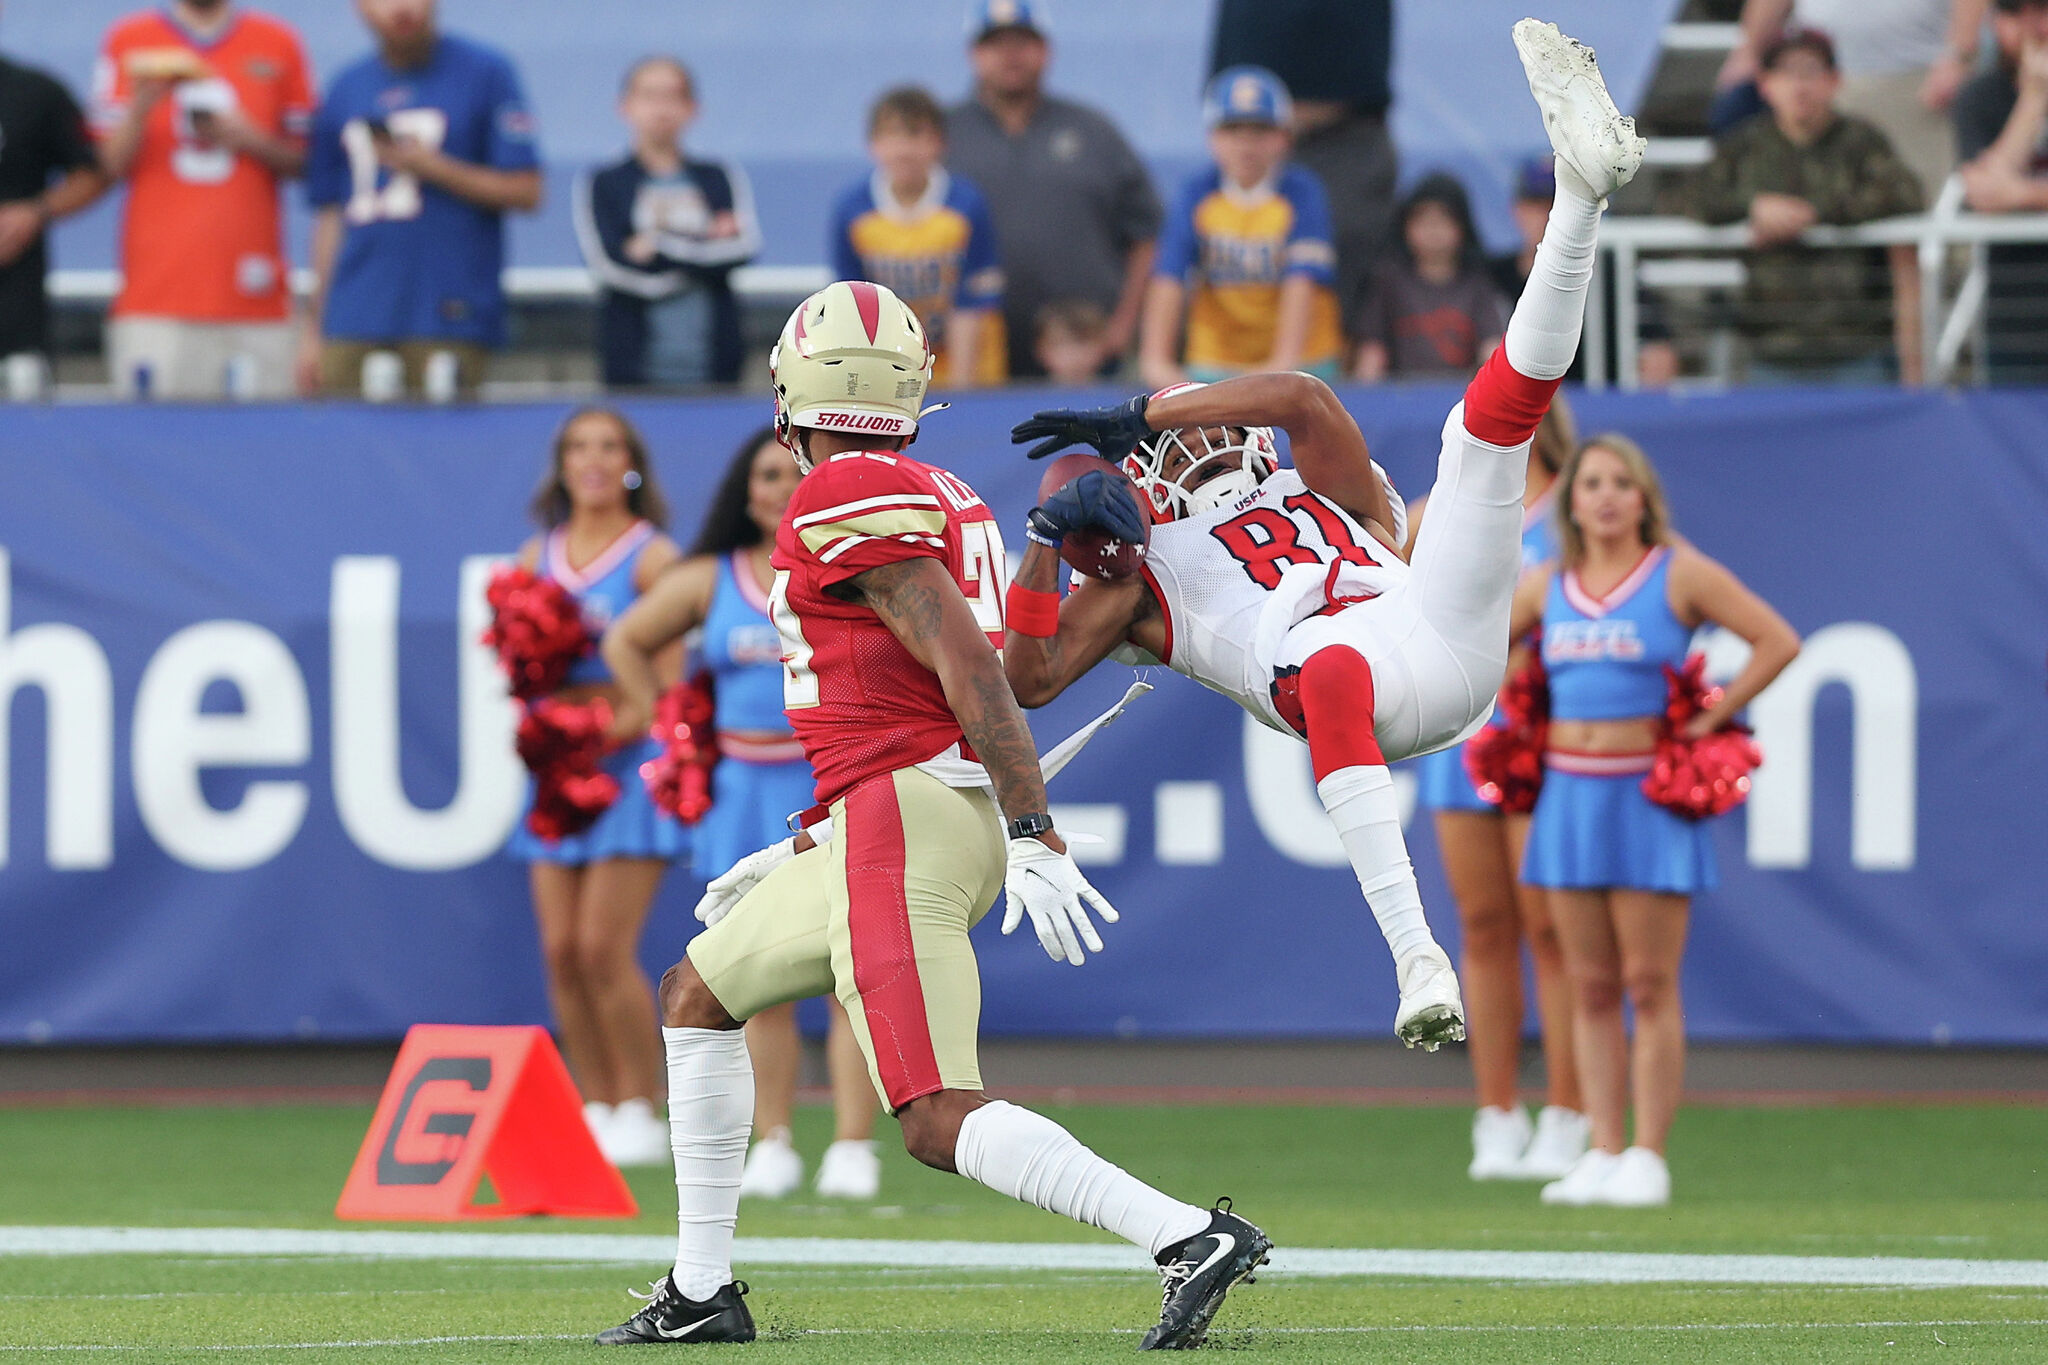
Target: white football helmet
1165 468
851 358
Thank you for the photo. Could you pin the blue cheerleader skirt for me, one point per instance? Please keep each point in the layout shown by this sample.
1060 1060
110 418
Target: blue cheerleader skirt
750 808
1441 783
1599 830
631 828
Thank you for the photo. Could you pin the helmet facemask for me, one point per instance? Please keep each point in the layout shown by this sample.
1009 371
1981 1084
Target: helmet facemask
1187 471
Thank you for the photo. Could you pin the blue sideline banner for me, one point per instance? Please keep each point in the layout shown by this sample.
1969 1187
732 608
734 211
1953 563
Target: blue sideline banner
256 771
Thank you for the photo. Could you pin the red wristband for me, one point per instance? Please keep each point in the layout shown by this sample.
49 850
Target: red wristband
1031 612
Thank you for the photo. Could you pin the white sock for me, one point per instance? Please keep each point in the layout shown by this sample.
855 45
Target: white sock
1543 331
1360 800
710 1113
1029 1157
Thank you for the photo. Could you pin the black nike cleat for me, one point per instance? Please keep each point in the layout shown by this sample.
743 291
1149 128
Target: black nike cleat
669 1317
1197 1274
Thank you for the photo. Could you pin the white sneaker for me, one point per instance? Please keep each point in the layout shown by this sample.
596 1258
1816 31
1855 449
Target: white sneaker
773 1169
1562 1136
636 1135
1596 143
850 1170
597 1117
1431 1012
1498 1139
1639 1179
1583 1183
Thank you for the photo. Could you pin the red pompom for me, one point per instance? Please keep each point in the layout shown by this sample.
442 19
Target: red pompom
537 629
1505 761
679 779
1698 778
561 745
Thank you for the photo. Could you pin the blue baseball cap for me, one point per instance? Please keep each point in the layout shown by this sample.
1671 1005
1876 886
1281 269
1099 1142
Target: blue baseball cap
992 16
1247 94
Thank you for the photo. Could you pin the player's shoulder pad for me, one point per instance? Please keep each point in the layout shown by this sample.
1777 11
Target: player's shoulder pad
879 495
857 474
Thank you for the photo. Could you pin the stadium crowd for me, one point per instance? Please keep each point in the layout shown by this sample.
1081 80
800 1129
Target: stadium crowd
1021 225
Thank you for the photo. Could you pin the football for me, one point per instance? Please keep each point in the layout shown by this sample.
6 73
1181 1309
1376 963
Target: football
1093 552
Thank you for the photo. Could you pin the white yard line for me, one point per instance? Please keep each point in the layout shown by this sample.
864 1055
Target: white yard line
1580 1267
309 1345
1932 1324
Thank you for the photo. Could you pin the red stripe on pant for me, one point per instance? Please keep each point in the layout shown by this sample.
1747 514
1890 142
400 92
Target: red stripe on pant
884 957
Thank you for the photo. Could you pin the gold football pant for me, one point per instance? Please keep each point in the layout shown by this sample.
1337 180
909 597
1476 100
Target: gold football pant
877 915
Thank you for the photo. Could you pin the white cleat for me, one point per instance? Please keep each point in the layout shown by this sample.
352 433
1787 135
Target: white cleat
1432 1013
773 1169
850 1170
1499 1137
1639 1179
1596 143
635 1135
1584 1182
1561 1138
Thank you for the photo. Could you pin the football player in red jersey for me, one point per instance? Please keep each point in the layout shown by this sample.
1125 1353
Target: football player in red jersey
889 583
1284 589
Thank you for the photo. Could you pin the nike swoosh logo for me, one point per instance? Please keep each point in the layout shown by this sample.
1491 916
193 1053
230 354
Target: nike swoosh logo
684 1331
1225 1244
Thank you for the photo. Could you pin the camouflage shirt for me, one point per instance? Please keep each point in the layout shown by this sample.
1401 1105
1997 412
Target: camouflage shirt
1805 305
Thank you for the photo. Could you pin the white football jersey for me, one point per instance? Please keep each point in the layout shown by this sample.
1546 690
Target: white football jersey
1233 581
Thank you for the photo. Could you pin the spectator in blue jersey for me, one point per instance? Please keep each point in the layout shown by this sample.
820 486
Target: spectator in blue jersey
1246 261
926 234
1335 57
418 152
661 233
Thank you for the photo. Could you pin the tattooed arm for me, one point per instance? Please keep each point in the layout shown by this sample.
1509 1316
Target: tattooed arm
920 602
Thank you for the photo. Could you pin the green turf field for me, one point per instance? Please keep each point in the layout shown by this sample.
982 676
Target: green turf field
1865 1182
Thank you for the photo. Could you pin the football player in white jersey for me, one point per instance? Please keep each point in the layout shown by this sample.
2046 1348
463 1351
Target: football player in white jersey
1284 589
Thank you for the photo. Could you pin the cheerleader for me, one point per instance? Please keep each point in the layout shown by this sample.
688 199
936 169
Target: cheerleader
1481 847
602 515
1621 604
761 779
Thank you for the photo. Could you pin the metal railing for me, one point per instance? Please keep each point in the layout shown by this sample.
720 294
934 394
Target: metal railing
1635 253
1948 323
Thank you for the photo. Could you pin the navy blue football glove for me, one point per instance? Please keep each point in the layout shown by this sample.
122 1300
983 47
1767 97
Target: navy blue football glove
1097 501
1114 432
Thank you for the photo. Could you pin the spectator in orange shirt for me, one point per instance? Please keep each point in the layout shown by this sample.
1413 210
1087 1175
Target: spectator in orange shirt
202 107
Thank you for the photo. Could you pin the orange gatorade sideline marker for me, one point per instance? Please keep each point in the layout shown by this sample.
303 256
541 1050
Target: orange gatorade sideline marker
464 1102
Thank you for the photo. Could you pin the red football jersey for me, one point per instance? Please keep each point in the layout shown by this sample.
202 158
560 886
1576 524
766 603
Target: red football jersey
861 703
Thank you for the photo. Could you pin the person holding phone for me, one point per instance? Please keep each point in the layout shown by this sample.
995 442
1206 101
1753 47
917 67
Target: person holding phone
202 106
418 152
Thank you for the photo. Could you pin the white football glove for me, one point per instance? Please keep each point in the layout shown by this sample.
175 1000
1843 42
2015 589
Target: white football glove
1048 886
728 888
